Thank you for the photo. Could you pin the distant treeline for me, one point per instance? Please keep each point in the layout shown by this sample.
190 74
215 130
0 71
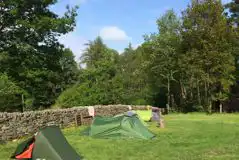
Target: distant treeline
190 64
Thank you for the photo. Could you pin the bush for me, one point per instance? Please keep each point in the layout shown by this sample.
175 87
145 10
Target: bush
78 95
192 107
10 95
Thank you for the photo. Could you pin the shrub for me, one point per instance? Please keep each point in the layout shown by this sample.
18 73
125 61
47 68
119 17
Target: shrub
10 95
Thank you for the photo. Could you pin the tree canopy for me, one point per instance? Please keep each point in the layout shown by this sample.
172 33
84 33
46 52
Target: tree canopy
30 52
189 64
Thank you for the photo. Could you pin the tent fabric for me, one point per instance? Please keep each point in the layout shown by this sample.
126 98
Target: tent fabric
119 126
131 113
22 147
27 154
144 115
49 144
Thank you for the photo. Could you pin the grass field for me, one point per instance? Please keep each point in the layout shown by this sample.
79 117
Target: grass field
186 137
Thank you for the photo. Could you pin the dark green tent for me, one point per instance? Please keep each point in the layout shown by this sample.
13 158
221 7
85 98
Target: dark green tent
119 126
48 144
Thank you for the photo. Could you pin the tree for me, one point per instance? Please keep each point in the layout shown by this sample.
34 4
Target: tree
10 95
162 64
95 52
97 83
30 51
206 41
233 12
69 70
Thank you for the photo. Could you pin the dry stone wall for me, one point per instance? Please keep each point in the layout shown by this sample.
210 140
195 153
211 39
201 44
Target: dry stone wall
16 125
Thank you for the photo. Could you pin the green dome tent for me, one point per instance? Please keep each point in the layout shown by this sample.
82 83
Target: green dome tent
48 144
119 126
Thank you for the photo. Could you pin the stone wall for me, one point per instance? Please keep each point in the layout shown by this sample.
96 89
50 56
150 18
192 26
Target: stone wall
16 125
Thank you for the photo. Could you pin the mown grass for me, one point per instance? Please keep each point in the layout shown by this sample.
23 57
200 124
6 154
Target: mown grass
186 137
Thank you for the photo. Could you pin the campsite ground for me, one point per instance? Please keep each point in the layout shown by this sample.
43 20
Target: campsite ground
186 137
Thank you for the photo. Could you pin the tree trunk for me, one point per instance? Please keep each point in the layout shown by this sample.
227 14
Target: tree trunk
198 93
210 107
209 99
181 95
23 103
220 105
205 93
182 90
168 106
172 101
205 96
191 88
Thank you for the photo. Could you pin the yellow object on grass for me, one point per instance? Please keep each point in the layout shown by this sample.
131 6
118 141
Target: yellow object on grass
144 115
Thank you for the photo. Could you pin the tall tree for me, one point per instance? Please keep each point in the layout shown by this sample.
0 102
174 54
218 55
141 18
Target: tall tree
95 52
30 51
232 13
165 45
96 84
134 87
69 70
206 41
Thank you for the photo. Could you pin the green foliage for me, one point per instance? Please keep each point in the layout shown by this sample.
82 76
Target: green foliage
97 84
10 95
206 43
135 87
30 52
69 71
233 12
162 64
74 96
189 64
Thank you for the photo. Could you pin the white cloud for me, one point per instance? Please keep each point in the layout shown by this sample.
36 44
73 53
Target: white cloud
113 33
75 43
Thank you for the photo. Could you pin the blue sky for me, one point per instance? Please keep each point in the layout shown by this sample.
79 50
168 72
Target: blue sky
118 22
